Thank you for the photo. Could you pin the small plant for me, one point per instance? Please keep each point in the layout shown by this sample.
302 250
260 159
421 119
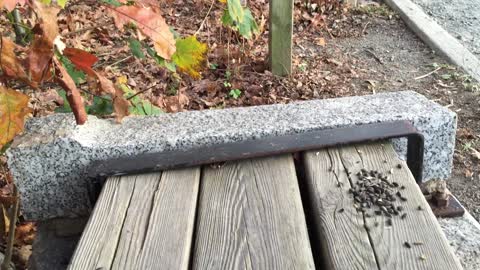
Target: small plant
240 19
235 93
303 66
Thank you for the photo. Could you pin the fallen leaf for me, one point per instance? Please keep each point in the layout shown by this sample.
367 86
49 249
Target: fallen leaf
468 173
13 111
10 64
190 55
475 153
40 53
120 104
151 24
81 59
321 42
465 133
24 233
11 4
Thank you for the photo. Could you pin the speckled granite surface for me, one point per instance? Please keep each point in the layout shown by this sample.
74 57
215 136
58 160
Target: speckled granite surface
50 161
463 233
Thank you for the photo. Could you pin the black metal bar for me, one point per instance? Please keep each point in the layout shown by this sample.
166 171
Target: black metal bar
269 146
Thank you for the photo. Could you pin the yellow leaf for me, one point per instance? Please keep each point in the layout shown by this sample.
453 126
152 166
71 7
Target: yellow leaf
190 55
13 110
222 1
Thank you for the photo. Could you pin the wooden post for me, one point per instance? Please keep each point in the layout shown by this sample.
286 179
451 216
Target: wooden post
280 42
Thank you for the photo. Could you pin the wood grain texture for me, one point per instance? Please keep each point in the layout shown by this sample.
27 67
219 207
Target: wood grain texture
280 40
250 216
386 242
417 226
343 239
96 249
141 222
168 242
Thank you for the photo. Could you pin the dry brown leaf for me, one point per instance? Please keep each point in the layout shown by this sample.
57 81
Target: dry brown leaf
73 95
40 53
151 24
9 62
321 42
120 104
11 4
24 233
475 153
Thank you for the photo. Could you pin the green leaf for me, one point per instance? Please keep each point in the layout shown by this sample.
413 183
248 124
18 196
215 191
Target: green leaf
66 106
62 3
136 48
248 25
100 106
226 19
77 75
160 61
189 55
114 3
446 76
139 106
235 10
235 93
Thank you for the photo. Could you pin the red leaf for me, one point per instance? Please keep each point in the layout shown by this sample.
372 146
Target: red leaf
81 59
73 95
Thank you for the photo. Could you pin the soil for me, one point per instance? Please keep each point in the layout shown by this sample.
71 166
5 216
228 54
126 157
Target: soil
461 18
338 52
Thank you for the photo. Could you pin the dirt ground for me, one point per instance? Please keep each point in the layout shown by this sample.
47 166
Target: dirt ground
349 52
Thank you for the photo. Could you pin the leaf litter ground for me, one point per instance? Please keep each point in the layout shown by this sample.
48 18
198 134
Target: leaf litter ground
340 52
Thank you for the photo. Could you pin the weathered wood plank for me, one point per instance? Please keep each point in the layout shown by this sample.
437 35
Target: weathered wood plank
417 226
280 40
141 222
344 243
168 242
96 248
250 216
386 242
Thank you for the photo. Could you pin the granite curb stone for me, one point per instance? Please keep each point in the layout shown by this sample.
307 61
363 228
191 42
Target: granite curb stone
51 159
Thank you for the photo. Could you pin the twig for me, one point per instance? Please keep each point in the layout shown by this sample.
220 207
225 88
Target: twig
143 91
87 29
11 233
428 74
374 56
365 28
116 63
205 19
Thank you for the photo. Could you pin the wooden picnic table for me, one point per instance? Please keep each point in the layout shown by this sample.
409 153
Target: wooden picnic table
277 212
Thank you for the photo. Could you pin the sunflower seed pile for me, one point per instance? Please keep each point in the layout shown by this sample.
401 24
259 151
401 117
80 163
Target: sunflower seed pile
374 191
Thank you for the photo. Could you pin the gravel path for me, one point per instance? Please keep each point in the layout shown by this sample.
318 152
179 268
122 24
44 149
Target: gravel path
461 18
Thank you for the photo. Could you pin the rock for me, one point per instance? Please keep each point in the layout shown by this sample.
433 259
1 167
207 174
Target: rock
463 233
51 160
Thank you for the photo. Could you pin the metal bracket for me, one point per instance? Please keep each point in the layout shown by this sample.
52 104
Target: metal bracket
268 146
